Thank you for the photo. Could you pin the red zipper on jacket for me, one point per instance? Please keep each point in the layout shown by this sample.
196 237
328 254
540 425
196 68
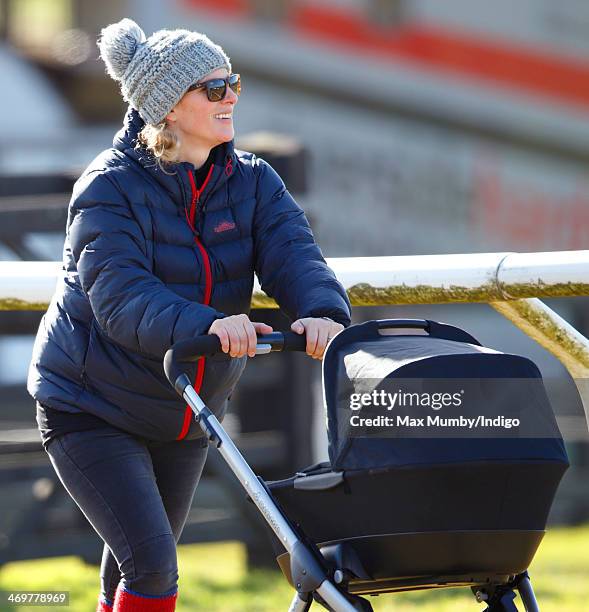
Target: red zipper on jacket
200 365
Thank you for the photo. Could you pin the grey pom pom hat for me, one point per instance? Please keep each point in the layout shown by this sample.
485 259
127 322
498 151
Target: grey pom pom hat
155 72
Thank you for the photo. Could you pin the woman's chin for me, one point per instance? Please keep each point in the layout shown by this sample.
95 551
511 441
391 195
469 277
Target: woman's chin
227 134
221 136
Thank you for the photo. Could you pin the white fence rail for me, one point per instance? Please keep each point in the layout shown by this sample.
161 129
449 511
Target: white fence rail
510 282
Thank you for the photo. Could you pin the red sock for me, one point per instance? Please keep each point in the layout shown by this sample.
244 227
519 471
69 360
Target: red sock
104 605
128 601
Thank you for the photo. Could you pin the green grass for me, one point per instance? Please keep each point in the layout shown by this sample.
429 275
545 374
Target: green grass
214 578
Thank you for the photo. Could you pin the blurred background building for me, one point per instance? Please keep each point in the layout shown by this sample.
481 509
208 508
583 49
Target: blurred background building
427 127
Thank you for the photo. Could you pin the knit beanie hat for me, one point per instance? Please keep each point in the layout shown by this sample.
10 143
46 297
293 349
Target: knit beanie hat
155 72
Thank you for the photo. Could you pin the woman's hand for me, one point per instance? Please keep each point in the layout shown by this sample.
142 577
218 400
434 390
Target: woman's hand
238 334
319 333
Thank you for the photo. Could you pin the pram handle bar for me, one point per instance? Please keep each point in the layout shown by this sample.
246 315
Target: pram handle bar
186 351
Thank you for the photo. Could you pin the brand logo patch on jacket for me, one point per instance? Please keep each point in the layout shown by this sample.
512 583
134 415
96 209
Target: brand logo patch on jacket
224 226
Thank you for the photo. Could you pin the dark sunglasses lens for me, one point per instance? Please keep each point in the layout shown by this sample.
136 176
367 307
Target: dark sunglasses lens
235 83
216 90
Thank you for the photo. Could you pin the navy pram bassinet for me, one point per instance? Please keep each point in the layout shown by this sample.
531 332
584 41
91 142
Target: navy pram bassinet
396 512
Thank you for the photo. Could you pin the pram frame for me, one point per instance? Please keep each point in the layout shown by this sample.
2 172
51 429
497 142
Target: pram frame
316 576
312 576
309 571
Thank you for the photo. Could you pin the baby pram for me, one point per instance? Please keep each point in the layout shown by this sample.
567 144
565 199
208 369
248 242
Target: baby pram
392 512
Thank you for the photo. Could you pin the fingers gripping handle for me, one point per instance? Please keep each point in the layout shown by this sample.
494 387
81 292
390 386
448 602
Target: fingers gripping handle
192 349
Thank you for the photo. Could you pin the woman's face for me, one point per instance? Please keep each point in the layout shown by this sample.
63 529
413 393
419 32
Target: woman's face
198 122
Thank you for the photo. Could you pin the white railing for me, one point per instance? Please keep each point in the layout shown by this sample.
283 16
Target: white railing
510 282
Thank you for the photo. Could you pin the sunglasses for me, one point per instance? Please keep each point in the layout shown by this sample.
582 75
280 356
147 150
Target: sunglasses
217 88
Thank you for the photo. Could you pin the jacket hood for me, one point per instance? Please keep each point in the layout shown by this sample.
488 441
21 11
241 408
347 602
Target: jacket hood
176 179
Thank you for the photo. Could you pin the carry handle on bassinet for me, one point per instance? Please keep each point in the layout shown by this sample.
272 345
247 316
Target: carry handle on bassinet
432 328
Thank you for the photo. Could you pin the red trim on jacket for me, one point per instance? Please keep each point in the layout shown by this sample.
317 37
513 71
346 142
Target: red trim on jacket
196 193
208 272
200 365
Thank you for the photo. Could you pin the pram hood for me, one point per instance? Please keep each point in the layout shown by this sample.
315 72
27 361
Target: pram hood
361 361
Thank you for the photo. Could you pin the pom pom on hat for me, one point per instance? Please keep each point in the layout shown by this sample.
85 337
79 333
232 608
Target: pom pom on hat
118 44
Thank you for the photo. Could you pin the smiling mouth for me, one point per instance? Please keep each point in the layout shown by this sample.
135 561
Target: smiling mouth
223 116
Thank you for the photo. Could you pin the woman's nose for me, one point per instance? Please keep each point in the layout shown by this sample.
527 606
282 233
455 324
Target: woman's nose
231 96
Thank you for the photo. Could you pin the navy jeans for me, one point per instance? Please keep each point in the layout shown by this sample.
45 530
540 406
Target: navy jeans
136 494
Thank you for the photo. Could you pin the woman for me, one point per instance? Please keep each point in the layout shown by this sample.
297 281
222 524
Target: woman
164 233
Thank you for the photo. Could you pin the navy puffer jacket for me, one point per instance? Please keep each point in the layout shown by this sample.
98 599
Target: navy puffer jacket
149 259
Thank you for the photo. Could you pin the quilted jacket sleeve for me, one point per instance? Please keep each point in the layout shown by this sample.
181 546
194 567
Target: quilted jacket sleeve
288 262
132 306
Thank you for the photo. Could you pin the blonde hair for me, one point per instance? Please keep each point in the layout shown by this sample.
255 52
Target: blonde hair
161 142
